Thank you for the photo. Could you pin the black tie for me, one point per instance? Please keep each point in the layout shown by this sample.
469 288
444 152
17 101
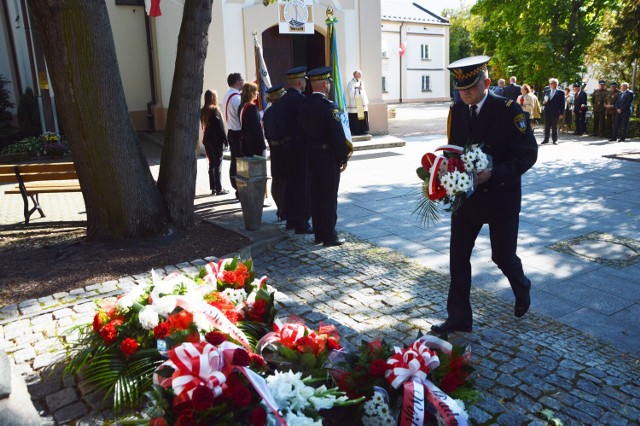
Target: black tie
474 115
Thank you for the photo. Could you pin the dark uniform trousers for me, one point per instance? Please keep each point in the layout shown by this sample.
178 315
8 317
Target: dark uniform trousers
505 135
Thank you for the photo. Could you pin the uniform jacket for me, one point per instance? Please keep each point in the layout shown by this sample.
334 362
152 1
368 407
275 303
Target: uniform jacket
287 116
624 101
322 127
598 98
270 124
579 100
507 137
512 91
554 106
610 100
252 136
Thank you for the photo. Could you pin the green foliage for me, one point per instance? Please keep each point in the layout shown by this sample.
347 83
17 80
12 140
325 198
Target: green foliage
32 145
5 104
28 114
535 41
429 211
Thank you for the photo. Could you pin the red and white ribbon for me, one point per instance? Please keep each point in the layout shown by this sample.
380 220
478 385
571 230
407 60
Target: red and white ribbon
283 332
455 149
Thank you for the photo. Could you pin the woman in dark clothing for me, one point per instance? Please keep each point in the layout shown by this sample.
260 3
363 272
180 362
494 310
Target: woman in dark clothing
252 135
214 139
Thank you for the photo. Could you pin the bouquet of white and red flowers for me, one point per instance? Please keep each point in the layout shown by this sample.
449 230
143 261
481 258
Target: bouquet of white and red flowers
449 178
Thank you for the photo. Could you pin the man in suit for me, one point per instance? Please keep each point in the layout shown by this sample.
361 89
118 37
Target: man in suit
513 90
499 90
297 197
321 127
503 130
553 111
623 112
580 109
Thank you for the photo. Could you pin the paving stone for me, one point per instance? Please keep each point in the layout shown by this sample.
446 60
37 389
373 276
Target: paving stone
23 355
60 399
512 418
71 412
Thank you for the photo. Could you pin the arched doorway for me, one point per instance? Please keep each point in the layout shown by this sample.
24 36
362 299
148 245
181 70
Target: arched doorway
285 51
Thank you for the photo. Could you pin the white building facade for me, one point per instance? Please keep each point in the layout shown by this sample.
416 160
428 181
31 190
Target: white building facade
146 51
415 53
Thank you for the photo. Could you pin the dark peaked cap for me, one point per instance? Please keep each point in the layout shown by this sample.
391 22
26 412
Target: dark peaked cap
467 72
297 72
275 92
322 73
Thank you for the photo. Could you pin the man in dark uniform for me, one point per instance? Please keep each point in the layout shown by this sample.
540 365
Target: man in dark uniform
598 98
610 111
321 126
297 209
276 148
503 129
580 109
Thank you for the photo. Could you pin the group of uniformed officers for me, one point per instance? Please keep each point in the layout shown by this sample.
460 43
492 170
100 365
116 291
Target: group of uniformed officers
308 150
611 110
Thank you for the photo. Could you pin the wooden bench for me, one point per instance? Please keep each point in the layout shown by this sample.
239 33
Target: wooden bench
37 178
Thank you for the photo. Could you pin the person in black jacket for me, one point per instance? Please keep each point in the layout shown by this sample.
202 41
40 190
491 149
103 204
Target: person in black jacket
298 197
501 128
553 111
513 90
252 136
274 137
580 109
321 128
214 140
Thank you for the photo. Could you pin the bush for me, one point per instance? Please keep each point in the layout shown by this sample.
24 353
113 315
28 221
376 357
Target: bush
6 129
28 114
31 144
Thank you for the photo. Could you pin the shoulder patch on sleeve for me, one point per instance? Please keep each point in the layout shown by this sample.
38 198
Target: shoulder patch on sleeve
520 122
508 103
336 114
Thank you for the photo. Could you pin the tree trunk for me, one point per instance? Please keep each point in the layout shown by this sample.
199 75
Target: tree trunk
121 198
178 166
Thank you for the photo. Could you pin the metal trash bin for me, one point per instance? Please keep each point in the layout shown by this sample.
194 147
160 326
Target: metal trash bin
251 181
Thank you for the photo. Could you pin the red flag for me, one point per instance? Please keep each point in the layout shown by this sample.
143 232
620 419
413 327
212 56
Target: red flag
152 7
403 48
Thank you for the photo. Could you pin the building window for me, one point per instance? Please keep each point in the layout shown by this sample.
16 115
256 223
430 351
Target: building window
384 84
426 83
424 52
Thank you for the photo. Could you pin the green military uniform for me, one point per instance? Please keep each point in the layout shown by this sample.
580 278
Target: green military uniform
598 98
610 111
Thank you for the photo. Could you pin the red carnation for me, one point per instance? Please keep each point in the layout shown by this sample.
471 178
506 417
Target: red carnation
158 421
450 382
257 362
180 321
241 358
259 310
333 344
215 338
108 333
241 273
193 337
228 277
258 417
97 324
378 367
129 346
202 398
161 330
240 396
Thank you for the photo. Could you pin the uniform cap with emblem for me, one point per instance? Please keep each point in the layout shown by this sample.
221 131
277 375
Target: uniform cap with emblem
297 72
322 73
602 82
467 72
613 83
275 92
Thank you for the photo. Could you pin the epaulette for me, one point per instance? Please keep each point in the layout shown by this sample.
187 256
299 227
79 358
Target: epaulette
508 103
327 100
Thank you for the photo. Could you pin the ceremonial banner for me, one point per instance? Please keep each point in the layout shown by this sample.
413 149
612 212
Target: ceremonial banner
336 86
262 75
295 16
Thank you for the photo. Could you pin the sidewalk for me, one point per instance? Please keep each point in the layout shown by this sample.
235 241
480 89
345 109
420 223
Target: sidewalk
390 280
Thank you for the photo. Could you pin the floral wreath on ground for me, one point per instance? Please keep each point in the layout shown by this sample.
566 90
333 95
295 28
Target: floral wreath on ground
209 350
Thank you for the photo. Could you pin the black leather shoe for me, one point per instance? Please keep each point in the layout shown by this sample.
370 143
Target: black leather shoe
555 142
544 142
522 308
334 243
612 140
449 327
621 140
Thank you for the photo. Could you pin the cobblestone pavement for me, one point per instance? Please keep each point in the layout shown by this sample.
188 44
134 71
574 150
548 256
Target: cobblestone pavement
523 365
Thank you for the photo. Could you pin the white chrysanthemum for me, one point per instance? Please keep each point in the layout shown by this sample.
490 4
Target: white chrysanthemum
377 398
388 421
201 321
148 318
164 305
125 303
164 287
236 296
370 408
382 410
463 408
137 291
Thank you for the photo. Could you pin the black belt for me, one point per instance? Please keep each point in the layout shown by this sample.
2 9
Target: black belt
323 147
